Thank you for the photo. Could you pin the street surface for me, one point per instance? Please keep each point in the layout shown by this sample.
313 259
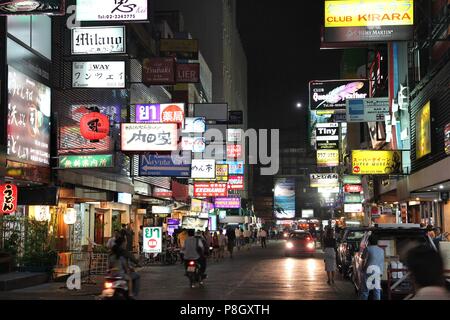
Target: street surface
255 274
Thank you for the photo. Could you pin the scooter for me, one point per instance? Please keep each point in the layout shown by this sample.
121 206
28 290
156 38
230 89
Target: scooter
193 273
115 288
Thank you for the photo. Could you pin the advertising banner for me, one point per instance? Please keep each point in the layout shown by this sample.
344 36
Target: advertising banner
353 208
8 198
327 136
194 223
194 144
284 198
368 20
41 7
221 174
376 162
149 137
194 125
234 167
112 10
353 198
188 73
29 111
86 162
349 188
158 71
227 203
152 242
157 113
324 180
332 94
205 189
307 213
98 74
164 166
327 158
236 183
367 110
161 193
349 179
99 40
234 151
423 131
203 168
185 49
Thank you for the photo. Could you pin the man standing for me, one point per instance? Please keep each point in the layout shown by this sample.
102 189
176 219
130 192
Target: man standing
238 235
263 236
231 235
130 237
372 270
247 235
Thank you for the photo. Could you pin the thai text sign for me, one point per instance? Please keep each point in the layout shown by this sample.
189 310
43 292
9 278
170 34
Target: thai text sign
376 162
88 161
152 242
149 136
210 189
156 113
363 13
98 74
227 203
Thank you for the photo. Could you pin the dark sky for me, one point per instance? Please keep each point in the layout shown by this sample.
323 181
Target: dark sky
282 40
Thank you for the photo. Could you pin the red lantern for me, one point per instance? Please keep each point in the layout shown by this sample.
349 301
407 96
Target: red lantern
94 126
8 198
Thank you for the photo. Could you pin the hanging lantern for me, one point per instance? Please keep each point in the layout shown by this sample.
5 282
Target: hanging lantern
41 213
94 126
70 216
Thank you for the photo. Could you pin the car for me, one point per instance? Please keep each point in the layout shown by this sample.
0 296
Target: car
299 242
396 240
348 245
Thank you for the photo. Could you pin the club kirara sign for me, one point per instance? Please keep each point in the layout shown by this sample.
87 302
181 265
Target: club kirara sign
8 198
112 10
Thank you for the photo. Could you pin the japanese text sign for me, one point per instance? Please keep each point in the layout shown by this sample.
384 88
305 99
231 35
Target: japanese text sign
8 198
203 168
149 136
98 74
156 113
376 162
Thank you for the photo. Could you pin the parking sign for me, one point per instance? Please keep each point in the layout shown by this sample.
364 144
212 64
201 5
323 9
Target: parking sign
152 240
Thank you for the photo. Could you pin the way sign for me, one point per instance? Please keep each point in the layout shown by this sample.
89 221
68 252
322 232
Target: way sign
152 240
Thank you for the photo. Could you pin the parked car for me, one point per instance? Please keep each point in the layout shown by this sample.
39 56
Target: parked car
299 242
396 240
348 245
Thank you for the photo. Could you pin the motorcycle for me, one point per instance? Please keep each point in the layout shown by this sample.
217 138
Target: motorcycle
193 273
115 288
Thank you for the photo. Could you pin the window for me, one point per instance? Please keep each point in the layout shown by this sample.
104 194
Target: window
34 31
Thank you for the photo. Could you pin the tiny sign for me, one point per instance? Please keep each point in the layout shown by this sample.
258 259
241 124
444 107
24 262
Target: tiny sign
152 241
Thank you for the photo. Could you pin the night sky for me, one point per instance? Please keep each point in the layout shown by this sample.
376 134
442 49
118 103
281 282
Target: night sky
282 40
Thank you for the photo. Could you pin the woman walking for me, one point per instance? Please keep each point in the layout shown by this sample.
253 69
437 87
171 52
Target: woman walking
329 250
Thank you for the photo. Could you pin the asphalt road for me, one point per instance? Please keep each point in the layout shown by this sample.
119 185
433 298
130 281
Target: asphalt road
255 274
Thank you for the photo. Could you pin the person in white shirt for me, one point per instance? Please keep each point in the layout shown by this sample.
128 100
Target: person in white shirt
263 237
222 244
247 235
193 249
112 241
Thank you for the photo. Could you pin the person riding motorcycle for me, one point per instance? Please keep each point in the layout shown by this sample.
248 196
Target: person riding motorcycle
193 249
119 265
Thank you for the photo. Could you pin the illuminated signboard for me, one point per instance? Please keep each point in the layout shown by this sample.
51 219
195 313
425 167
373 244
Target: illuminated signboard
423 131
227 202
363 13
353 198
234 167
186 49
368 20
221 174
327 136
236 183
8 198
194 144
332 94
307 213
367 110
352 188
194 125
164 166
98 74
29 111
149 137
234 151
112 10
86 161
210 189
157 113
33 7
98 40
203 168
349 179
327 158
353 207
376 162
188 73
324 180
158 71
284 198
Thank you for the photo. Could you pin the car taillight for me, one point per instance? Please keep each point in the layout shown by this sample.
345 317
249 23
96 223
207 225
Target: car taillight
308 238
108 285
191 263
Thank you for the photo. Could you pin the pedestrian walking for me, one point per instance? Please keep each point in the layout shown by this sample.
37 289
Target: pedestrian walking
247 234
372 269
329 245
222 243
231 235
263 236
427 269
215 246
238 236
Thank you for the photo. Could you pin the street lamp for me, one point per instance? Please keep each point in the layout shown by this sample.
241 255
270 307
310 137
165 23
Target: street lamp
299 105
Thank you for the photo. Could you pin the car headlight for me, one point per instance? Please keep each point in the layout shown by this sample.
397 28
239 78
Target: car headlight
289 245
310 245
